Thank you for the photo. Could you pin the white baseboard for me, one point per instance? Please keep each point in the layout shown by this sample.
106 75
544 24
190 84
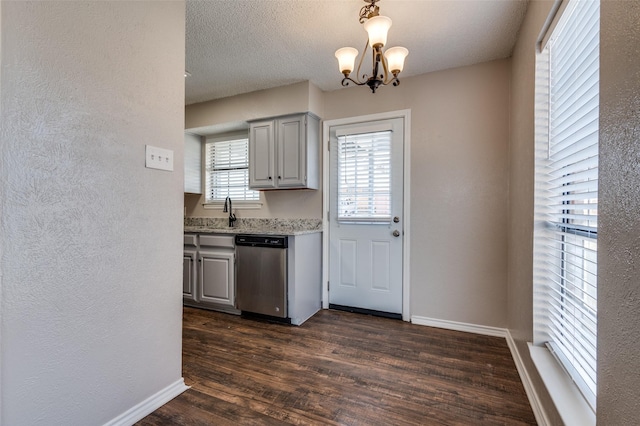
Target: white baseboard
149 405
534 400
460 326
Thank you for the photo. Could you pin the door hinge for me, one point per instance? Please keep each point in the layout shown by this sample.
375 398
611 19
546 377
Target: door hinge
328 145
328 216
328 285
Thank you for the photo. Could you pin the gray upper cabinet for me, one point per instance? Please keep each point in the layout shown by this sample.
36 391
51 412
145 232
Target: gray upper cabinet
283 153
192 164
262 155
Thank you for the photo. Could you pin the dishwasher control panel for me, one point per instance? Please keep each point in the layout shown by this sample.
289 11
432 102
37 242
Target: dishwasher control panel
262 241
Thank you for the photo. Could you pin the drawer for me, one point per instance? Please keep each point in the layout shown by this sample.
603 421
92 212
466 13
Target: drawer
190 240
225 241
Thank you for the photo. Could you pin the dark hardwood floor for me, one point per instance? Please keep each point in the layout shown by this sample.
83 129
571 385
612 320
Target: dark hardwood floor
341 368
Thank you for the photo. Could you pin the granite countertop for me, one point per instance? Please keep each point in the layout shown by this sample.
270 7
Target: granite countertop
204 225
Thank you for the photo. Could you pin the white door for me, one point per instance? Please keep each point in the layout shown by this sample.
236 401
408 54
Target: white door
365 215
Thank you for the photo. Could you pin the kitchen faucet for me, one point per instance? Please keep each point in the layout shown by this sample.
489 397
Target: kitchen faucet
232 217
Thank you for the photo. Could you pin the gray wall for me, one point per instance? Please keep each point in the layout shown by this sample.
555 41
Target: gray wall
90 239
619 233
619 215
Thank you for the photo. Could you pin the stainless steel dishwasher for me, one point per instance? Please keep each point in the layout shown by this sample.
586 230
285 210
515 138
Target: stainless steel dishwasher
261 274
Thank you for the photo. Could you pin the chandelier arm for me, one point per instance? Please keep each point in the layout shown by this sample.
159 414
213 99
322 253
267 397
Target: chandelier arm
364 76
389 77
346 80
387 74
395 79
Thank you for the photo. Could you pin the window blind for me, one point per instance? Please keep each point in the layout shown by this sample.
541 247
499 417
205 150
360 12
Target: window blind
364 177
568 315
227 170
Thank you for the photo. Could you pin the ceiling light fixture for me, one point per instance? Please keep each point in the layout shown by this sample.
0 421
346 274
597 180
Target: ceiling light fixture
392 59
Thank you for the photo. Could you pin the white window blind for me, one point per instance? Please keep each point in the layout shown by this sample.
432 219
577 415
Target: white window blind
227 171
364 177
567 194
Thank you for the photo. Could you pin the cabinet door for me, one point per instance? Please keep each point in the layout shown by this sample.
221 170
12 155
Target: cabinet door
192 164
292 152
217 281
189 275
262 155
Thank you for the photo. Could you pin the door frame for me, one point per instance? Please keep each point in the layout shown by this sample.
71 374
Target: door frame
405 114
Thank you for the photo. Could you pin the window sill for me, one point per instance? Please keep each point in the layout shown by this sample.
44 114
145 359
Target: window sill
566 396
237 205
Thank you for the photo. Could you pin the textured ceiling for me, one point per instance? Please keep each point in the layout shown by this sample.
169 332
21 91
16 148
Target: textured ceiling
239 46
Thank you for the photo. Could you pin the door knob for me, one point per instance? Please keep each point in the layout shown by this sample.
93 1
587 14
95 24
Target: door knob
396 219
396 233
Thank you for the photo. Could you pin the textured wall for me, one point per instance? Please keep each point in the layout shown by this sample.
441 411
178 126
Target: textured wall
521 181
619 215
91 240
459 144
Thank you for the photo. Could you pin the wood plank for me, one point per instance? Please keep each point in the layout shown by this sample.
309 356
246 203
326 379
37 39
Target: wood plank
341 368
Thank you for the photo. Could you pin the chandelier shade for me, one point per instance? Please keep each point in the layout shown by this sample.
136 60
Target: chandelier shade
395 58
346 59
386 64
377 28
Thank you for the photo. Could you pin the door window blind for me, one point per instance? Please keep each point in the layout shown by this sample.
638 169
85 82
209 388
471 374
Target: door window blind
227 171
364 177
568 197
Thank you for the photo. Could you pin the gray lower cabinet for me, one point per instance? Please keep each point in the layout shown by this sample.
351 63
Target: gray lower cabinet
304 272
189 269
189 275
216 277
209 272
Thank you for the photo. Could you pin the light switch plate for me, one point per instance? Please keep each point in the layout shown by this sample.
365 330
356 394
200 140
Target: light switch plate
158 158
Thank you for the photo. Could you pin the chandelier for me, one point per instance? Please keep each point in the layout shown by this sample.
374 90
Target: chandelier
392 60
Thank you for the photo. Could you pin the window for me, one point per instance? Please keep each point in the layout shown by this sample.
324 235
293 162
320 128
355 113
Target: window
566 233
227 170
364 177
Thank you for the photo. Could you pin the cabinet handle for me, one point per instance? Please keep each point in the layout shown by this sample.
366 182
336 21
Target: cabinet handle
269 177
279 177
